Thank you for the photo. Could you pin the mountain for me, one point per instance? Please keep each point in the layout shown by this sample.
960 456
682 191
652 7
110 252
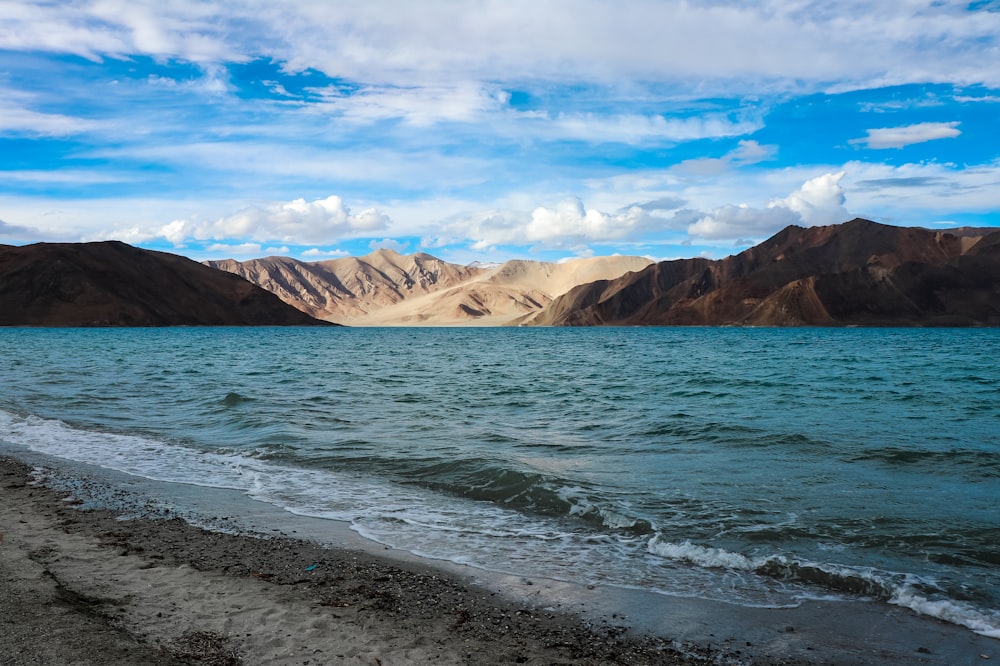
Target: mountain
114 284
856 273
388 289
504 295
345 289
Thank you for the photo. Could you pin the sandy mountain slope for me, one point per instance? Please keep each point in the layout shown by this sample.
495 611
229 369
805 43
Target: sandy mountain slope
855 273
388 289
502 296
342 290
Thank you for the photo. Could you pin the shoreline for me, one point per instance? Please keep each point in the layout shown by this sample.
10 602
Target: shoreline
154 588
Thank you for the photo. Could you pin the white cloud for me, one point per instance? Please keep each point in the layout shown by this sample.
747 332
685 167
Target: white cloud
568 224
65 177
418 106
388 244
819 201
742 44
477 103
256 164
299 222
16 232
571 220
737 221
909 193
746 153
899 137
131 234
633 129
316 252
664 203
16 119
117 28
241 249
635 39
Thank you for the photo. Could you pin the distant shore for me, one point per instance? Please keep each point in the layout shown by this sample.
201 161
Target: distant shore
152 590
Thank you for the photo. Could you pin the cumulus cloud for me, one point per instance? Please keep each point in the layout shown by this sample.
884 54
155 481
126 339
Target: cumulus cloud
299 222
568 224
900 137
819 201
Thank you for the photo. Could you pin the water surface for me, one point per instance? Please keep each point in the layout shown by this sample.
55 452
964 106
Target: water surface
755 466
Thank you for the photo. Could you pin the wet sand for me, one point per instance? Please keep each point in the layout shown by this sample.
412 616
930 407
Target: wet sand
79 585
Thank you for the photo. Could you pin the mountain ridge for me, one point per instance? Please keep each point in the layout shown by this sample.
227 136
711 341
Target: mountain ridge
856 273
347 287
385 288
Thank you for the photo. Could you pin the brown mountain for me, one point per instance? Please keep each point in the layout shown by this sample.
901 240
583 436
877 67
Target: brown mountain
114 284
856 273
388 289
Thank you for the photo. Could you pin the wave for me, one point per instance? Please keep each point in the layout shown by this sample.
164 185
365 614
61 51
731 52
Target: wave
233 399
525 491
502 516
894 588
969 461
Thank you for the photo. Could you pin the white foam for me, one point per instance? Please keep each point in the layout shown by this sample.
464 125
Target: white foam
704 556
464 531
949 611
579 505
132 454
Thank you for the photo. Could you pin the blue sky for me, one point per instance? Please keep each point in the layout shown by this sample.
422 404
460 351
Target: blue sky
488 130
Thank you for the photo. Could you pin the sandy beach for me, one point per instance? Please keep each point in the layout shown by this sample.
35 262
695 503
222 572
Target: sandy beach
82 586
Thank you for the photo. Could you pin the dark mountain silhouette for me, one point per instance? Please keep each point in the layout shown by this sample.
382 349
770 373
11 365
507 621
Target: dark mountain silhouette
114 284
856 273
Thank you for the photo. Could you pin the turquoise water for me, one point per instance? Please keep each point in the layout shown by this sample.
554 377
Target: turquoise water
755 466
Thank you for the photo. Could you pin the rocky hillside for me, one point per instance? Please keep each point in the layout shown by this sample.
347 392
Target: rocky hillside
345 289
388 289
114 284
503 296
856 273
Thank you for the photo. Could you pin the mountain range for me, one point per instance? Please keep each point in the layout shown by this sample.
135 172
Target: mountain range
856 273
385 288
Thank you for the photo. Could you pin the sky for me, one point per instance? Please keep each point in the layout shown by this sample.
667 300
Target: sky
485 130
